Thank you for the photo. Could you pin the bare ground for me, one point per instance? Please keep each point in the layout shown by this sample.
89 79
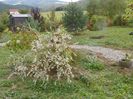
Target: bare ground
107 53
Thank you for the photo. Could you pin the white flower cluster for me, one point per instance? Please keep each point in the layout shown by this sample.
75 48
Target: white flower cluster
51 58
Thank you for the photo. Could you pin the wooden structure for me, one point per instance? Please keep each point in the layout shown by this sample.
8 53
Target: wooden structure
17 19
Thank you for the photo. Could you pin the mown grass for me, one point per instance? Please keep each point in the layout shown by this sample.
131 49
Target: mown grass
116 37
106 83
58 14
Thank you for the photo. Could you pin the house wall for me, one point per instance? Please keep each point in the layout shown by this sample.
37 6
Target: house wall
17 21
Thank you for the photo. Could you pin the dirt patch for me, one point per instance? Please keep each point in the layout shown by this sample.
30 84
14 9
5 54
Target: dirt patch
97 37
126 71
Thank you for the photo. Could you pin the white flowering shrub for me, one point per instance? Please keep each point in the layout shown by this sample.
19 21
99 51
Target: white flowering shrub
51 58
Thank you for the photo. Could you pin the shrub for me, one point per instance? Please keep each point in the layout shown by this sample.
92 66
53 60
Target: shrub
21 40
4 21
119 21
93 7
74 19
38 18
33 24
130 23
129 10
97 22
51 57
52 23
109 8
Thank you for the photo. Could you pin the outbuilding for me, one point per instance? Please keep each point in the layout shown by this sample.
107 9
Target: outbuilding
17 20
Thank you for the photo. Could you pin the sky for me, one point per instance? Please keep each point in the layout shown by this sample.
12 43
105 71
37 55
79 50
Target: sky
60 0
69 0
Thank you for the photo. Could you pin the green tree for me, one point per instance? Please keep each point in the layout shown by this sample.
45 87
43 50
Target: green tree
39 18
4 21
129 11
93 7
74 19
112 8
108 8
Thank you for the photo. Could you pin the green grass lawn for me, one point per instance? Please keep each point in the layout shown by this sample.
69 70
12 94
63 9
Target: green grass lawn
98 82
116 37
58 14
106 83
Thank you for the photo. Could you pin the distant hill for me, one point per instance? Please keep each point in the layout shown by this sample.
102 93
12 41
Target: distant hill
4 6
43 4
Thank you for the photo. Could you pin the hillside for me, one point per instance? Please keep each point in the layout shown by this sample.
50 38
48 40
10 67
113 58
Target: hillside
4 6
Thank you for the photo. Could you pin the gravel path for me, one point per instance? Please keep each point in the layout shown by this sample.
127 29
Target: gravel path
108 53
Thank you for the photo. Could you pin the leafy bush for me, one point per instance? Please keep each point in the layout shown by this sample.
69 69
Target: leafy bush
119 21
21 40
92 63
51 57
33 24
74 19
4 21
130 23
129 10
47 23
109 8
38 18
98 22
5 36
93 7
52 23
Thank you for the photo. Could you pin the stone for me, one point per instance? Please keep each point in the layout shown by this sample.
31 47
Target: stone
131 63
126 63
131 33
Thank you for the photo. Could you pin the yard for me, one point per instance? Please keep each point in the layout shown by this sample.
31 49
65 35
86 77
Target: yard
114 37
46 60
100 81
58 14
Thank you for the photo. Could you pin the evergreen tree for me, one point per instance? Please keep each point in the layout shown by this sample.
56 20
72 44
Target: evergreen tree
74 19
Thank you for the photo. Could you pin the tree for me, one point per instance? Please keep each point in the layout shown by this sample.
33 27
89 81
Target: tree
4 21
108 8
74 19
93 7
129 11
37 17
112 8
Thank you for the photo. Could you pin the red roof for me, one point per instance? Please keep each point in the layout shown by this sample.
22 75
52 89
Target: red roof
13 11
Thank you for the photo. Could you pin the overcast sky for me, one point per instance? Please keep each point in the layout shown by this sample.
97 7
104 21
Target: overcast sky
69 0
60 0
